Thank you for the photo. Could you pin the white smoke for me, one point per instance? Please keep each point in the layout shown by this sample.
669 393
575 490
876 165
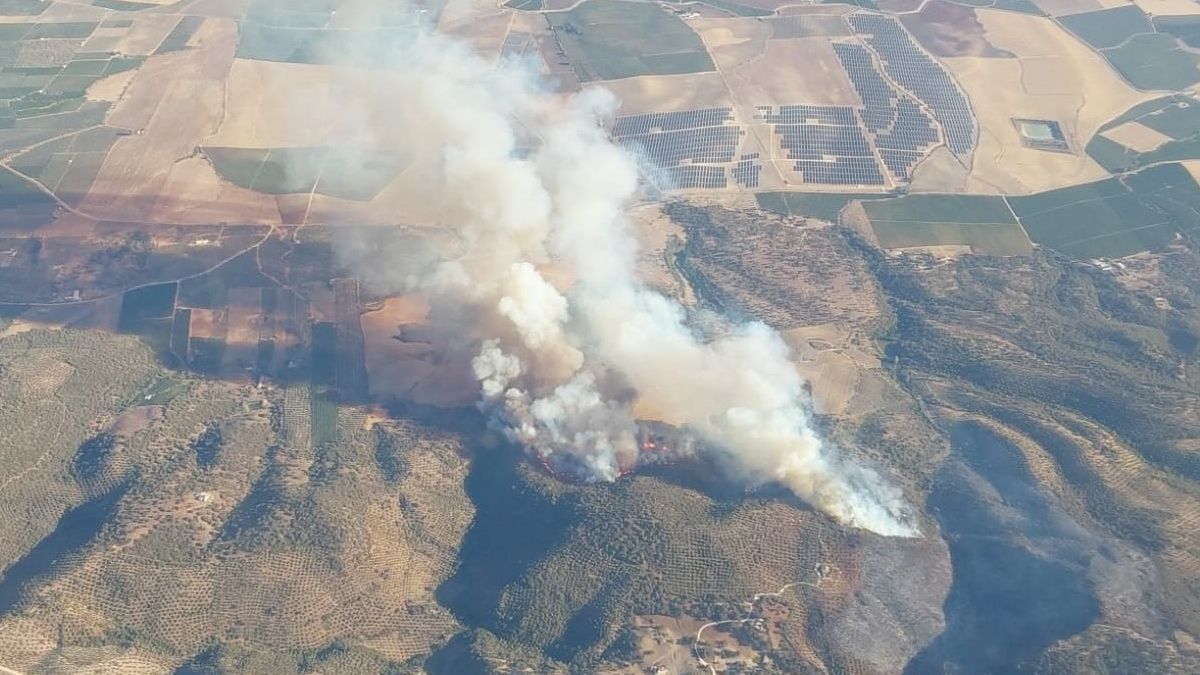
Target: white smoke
528 178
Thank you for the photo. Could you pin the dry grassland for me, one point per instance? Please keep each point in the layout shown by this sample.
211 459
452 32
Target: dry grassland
483 24
942 252
803 70
174 101
732 41
663 644
111 88
1168 7
206 323
1137 136
940 171
274 105
401 364
827 356
1054 77
241 337
256 111
104 39
146 34
194 193
666 93
656 232
224 9
1193 167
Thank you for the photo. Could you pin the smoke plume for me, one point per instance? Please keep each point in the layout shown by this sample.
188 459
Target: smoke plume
530 179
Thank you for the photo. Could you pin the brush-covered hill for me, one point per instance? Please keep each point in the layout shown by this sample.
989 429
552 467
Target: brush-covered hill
1039 412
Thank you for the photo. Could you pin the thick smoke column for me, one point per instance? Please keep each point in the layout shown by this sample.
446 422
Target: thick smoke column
528 178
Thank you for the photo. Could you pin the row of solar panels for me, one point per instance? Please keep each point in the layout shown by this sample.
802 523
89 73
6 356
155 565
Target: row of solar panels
914 70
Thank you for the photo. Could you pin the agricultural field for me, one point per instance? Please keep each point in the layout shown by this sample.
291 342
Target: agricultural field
985 224
823 206
241 437
1148 58
1115 217
612 39
1162 130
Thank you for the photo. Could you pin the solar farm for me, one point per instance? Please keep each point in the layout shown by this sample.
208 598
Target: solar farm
909 105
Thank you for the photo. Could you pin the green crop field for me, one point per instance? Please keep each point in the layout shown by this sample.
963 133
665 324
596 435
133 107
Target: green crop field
365 46
24 207
1113 217
983 223
147 312
1186 28
146 303
1108 27
1129 41
737 9
610 39
23 7
1020 6
341 173
1112 155
1175 116
825 206
1180 119
1154 61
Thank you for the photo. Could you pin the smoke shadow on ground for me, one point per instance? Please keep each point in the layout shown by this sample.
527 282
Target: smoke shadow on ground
515 525
1006 603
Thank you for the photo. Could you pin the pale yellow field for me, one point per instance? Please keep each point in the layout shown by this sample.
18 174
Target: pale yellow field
173 102
1055 77
241 337
940 171
272 105
666 93
255 115
111 88
194 193
732 41
1136 136
762 71
792 71
147 33
483 24
827 356
1193 167
410 368
1168 7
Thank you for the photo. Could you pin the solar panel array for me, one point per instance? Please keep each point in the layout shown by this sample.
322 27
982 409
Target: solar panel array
697 176
827 142
671 121
914 70
910 104
902 130
785 27
691 148
747 170
668 148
